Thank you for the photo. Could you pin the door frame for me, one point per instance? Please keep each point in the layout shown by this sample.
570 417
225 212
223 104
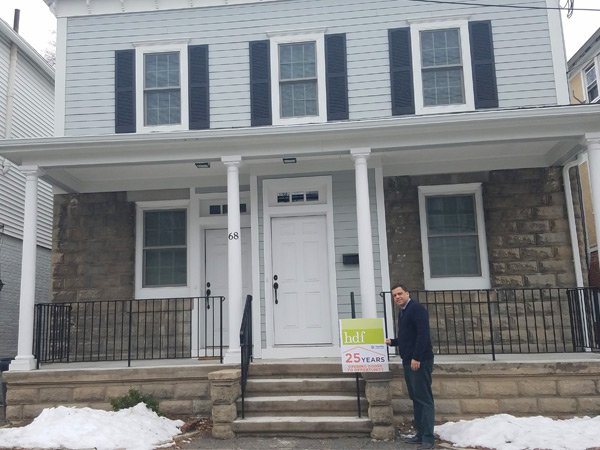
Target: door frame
324 207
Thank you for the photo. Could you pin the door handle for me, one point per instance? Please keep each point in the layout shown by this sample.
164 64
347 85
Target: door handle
275 287
207 295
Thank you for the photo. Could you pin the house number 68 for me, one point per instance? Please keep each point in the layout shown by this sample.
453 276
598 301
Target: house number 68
234 236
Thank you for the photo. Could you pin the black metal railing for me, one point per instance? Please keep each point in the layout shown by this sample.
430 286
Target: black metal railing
547 320
246 347
129 330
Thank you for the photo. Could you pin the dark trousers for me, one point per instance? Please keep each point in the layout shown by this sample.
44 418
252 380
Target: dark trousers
418 383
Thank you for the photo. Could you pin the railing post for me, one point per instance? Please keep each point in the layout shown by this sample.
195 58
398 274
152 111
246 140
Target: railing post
489 305
129 334
352 306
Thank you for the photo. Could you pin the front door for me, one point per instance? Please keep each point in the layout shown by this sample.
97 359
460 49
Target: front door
216 279
302 309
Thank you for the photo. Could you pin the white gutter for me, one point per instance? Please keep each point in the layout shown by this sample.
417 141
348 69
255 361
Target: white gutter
571 218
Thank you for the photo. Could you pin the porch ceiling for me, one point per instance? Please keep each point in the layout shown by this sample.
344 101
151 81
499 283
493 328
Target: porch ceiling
485 140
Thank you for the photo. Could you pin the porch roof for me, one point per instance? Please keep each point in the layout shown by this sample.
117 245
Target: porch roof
482 140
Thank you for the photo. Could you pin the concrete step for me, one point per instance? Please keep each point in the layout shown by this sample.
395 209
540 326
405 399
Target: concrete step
304 426
299 370
292 386
304 405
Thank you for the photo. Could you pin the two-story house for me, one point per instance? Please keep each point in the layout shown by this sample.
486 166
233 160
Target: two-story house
26 111
301 150
583 70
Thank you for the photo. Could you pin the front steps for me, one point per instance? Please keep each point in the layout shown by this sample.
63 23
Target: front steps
316 400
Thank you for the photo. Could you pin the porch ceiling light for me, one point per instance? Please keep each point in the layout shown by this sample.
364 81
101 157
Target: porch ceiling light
289 160
203 165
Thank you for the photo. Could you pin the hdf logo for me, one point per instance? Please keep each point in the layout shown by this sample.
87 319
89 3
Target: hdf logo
357 338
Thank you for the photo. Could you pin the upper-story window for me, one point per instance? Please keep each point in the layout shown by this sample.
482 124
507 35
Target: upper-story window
441 82
162 86
298 69
298 77
298 80
453 237
162 76
591 83
442 66
162 89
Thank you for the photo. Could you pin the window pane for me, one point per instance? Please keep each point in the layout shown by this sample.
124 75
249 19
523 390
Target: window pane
454 256
299 99
443 87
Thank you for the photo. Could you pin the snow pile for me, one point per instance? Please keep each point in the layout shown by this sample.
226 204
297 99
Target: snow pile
506 432
136 428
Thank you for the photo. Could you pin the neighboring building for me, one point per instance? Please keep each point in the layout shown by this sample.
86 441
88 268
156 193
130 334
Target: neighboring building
26 111
584 68
301 150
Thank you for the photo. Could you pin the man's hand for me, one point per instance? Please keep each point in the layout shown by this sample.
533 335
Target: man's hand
388 342
415 365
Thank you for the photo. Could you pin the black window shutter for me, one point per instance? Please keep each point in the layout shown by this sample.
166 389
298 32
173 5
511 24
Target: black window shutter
260 84
337 77
484 69
125 91
199 88
403 98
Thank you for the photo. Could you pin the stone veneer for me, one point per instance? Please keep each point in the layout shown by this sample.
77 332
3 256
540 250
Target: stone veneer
462 390
93 256
526 225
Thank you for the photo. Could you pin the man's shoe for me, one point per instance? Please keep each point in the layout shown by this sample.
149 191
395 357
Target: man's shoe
426 445
413 439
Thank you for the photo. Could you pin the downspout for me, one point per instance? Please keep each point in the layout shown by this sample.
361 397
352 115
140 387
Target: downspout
12 69
571 218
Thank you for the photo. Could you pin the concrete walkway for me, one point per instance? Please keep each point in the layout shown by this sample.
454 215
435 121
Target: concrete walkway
205 441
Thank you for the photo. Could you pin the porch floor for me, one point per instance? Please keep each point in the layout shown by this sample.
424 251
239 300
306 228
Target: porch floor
439 359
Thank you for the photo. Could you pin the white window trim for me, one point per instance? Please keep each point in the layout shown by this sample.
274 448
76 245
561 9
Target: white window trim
290 37
142 292
454 283
595 62
143 48
415 38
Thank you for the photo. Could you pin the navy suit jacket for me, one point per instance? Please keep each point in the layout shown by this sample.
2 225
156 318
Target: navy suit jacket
414 340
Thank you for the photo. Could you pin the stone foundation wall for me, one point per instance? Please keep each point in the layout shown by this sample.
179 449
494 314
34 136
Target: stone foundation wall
526 225
467 391
181 391
93 256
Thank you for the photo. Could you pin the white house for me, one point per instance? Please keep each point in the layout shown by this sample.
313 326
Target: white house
26 111
301 150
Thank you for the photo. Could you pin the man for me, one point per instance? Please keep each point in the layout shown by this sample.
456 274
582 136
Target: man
414 343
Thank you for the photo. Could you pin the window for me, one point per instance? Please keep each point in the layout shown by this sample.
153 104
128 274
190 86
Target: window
298 90
165 248
441 67
443 79
591 83
162 87
453 237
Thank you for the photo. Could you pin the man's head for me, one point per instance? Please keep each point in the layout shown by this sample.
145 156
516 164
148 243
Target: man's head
400 294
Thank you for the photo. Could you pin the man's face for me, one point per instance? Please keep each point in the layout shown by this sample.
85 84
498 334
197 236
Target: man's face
400 296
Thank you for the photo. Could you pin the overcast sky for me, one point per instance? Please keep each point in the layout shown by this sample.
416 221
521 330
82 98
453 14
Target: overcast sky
37 22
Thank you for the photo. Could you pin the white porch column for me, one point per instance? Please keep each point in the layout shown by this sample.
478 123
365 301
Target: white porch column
24 359
592 143
234 258
365 243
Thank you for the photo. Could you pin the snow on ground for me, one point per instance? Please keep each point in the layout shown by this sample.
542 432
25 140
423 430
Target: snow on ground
506 432
136 428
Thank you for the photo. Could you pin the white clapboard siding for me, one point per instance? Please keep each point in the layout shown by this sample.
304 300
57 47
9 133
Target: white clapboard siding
521 41
33 116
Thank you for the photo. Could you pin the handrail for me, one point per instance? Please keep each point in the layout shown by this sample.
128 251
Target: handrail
246 347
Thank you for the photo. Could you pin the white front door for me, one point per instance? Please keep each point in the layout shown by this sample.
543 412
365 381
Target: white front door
216 274
302 310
